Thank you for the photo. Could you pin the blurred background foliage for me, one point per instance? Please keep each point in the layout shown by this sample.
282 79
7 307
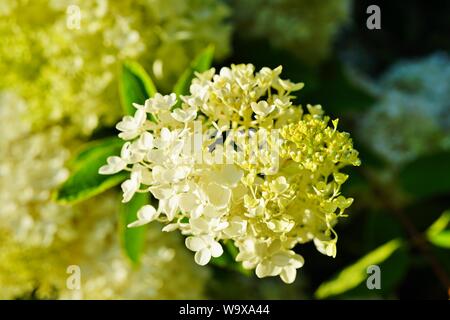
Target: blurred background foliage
389 88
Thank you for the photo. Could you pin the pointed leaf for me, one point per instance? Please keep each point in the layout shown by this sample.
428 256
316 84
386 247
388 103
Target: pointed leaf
133 239
135 86
85 181
200 64
439 232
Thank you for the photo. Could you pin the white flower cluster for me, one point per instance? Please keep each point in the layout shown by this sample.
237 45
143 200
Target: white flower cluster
418 91
240 195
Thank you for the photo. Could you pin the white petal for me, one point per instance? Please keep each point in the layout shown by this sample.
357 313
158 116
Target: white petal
128 135
129 188
263 270
199 225
139 117
216 249
106 169
197 212
230 175
156 156
184 115
262 108
137 105
202 257
281 259
147 213
166 136
145 141
236 228
137 223
211 212
218 196
288 274
195 243
125 153
170 227
169 207
161 192
188 202
115 164
297 261
181 172
126 124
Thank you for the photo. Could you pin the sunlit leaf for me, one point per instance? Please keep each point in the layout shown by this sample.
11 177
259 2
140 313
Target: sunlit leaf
355 274
439 232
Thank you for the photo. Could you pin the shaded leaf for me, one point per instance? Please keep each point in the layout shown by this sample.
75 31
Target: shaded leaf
228 259
91 147
135 86
427 176
200 64
338 92
133 239
379 228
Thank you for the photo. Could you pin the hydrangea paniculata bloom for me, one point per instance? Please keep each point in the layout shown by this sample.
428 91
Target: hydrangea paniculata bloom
262 175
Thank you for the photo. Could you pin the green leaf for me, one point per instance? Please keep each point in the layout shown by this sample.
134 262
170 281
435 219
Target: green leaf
427 176
200 64
133 239
85 181
438 234
355 274
91 147
135 86
441 240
